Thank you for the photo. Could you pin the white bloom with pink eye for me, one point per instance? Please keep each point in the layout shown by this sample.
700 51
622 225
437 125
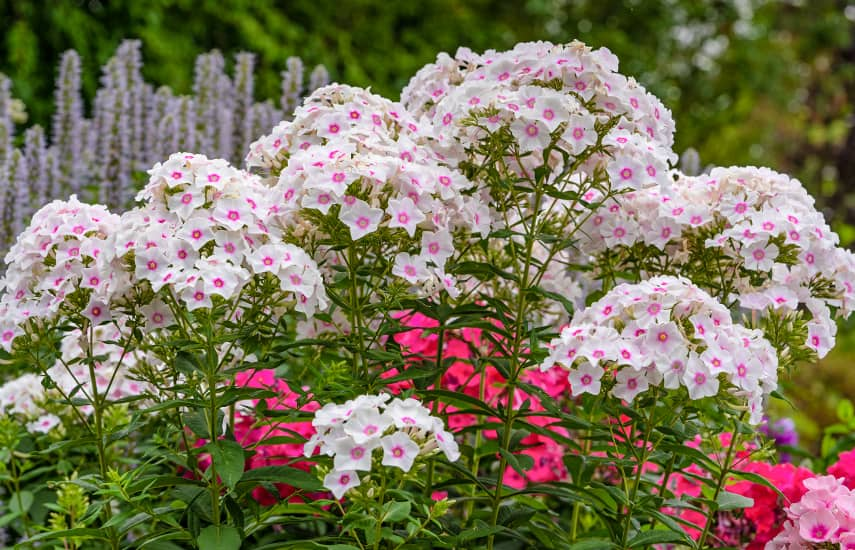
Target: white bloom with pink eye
717 360
232 213
194 295
267 258
437 247
221 278
445 441
319 199
201 248
360 218
97 311
23 395
231 246
626 172
600 350
663 339
185 202
672 372
580 133
156 315
820 339
351 455
44 424
585 379
339 482
409 413
759 256
447 282
399 450
629 383
620 231
366 424
532 135
197 232
404 214
698 379
411 268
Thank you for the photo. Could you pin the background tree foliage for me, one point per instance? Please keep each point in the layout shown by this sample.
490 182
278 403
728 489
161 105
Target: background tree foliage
750 81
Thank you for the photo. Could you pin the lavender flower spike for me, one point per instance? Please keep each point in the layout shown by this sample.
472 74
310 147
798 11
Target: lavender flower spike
243 101
67 130
292 85
6 126
35 150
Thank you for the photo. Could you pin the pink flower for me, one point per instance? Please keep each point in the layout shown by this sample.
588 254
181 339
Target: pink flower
844 468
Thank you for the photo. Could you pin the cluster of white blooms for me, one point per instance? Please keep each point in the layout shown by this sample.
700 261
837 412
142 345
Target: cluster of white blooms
780 252
205 231
66 252
665 331
547 95
359 158
24 398
350 433
590 75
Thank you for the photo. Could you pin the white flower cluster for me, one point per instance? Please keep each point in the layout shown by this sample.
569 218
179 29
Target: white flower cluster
589 74
781 252
546 94
350 433
205 231
359 157
67 250
665 331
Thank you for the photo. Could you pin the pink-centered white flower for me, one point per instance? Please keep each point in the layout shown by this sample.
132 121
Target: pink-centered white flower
360 218
399 450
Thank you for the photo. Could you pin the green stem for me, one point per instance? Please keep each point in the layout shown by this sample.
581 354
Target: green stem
212 363
577 506
515 367
98 401
722 477
378 528
476 458
16 481
355 318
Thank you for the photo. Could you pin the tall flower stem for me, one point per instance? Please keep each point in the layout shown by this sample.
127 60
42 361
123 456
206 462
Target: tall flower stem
720 481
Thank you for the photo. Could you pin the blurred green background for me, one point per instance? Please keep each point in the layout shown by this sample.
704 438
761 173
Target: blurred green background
757 82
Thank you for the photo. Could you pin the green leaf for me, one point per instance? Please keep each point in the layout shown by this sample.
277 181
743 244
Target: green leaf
594 544
731 501
757 478
521 463
282 474
221 537
198 423
478 533
656 536
395 511
229 460
20 503
845 410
